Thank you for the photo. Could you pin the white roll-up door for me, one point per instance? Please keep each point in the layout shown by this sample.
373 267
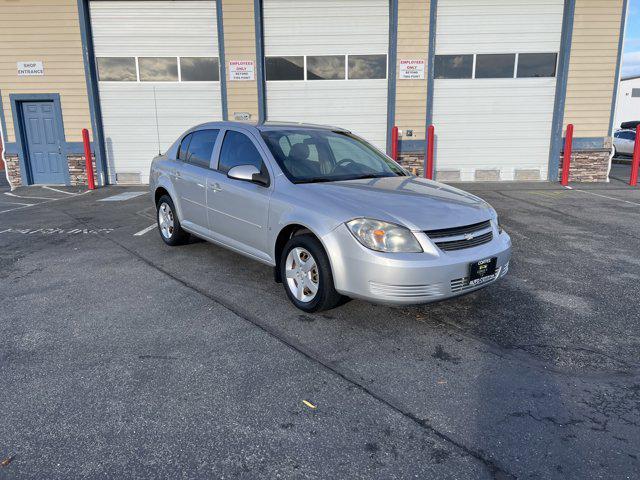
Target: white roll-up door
492 125
158 76
345 41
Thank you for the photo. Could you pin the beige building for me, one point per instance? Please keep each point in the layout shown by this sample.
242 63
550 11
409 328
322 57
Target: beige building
499 80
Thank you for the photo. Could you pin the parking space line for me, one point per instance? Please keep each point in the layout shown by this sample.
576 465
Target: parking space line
604 196
144 230
33 198
19 203
17 208
59 191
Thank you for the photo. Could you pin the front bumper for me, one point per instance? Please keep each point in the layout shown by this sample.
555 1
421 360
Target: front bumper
409 278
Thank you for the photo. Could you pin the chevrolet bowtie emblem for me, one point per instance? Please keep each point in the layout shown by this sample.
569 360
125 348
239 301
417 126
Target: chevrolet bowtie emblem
468 236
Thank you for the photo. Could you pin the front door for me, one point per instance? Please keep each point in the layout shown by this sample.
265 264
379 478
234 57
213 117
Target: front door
43 145
238 210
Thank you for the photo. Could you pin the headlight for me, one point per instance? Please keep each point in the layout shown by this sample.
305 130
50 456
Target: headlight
383 236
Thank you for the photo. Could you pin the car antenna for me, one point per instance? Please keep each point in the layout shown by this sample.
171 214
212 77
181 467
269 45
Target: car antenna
155 104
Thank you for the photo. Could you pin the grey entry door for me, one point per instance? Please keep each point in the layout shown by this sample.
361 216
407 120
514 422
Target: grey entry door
44 150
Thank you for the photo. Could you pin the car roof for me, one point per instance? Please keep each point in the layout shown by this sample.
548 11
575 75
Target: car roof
269 125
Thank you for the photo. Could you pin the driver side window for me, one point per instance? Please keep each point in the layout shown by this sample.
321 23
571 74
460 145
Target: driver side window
238 149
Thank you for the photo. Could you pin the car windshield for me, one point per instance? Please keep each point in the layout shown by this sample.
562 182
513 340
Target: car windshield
314 155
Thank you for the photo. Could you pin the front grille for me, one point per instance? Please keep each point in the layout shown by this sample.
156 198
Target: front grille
449 239
460 244
455 231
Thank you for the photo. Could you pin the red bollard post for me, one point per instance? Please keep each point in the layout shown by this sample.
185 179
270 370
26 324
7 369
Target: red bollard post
394 143
87 157
428 174
566 162
633 181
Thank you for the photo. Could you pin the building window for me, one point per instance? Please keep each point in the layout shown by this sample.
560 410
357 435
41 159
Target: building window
199 69
285 68
537 65
117 69
367 66
453 66
635 92
326 67
158 69
495 66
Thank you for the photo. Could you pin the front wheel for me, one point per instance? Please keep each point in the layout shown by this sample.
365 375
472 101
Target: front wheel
306 275
168 223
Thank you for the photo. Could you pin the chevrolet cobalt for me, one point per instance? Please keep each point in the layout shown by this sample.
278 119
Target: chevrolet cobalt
332 214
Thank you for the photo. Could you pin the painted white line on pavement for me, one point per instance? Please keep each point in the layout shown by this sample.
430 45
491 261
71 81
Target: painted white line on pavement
34 198
17 208
120 197
60 191
144 230
27 205
604 196
20 203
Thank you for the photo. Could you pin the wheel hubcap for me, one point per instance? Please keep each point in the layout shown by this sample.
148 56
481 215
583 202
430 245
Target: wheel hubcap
302 274
165 220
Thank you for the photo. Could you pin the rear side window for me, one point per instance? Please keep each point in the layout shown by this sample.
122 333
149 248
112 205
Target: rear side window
201 147
238 149
184 148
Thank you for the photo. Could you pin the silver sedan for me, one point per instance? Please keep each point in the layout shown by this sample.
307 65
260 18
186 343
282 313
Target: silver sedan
333 215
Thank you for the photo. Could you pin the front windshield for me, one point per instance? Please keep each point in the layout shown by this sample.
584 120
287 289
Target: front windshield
307 156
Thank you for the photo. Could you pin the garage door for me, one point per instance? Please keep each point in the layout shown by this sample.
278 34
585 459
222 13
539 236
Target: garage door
326 63
495 71
158 75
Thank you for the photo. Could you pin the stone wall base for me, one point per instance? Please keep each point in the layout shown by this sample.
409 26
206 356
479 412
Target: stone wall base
412 161
588 166
13 170
77 169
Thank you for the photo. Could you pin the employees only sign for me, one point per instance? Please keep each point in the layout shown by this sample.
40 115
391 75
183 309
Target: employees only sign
241 70
411 70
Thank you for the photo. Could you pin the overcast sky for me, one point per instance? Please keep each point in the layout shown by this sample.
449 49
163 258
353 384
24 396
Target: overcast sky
631 60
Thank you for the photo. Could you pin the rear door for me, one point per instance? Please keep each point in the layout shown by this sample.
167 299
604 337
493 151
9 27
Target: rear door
194 161
238 210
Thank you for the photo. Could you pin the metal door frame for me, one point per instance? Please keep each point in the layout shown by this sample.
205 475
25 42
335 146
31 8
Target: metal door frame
17 99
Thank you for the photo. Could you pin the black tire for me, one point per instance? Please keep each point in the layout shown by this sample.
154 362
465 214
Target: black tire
326 296
173 235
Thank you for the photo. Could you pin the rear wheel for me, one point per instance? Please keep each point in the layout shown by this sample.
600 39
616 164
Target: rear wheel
168 223
306 275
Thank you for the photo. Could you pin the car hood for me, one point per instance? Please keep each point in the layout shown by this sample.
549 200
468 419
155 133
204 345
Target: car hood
414 202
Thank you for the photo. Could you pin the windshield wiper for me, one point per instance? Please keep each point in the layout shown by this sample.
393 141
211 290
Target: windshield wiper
315 180
367 175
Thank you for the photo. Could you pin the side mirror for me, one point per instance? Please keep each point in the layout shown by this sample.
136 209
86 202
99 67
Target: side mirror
248 173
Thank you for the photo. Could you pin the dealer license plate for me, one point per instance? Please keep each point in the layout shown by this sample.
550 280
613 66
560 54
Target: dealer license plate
482 271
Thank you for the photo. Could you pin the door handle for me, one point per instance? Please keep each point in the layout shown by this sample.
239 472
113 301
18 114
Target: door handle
215 187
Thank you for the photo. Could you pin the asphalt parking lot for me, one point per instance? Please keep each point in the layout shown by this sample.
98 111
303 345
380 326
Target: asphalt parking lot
122 357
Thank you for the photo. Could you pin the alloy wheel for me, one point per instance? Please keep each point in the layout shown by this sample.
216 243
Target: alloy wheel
302 275
165 220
